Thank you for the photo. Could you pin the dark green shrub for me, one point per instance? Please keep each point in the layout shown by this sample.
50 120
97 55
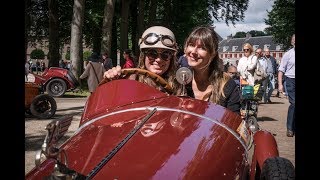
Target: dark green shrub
86 55
67 56
37 54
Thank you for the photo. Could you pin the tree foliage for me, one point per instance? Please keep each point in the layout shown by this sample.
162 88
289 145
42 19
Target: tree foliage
181 16
37 54
281 21
253 33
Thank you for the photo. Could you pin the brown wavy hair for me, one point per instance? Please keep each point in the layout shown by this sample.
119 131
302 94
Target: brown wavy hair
217 78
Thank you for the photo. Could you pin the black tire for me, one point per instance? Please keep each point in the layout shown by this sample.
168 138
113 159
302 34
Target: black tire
277 168
43 106
56 87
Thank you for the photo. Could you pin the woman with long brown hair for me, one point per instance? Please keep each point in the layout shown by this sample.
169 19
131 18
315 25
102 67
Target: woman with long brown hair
210 82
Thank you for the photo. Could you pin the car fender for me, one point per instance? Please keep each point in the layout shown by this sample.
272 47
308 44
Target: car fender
265 147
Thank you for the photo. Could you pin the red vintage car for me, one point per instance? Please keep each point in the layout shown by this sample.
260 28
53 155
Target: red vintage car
129 130
56 81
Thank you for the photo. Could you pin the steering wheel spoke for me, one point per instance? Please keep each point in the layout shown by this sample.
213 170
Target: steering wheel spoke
156 78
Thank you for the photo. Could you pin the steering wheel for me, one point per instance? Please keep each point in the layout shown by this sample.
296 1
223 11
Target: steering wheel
155 77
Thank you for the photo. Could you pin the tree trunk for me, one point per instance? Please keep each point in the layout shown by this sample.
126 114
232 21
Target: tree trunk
76 47
152 12
124 27
107 26
27 24
54 54
140 24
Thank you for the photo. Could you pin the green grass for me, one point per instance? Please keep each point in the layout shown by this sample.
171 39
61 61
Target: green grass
81 93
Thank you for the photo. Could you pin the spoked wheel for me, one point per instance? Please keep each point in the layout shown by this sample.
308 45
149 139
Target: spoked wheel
156 78
43 106
56 87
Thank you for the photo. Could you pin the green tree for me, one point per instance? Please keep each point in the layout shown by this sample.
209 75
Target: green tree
281 21
255 33
240 34
37 54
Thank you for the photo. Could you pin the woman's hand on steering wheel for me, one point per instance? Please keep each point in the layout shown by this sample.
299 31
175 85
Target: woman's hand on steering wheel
116 72
112 73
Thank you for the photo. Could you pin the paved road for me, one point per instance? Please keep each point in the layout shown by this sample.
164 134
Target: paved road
271 117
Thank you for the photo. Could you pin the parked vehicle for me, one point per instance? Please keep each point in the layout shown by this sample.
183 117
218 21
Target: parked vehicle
38 104
56 81
129 130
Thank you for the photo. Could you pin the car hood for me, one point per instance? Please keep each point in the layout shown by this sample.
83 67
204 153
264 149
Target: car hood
152 135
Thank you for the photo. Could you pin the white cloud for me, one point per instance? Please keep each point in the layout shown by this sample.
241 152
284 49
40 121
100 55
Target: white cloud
253 20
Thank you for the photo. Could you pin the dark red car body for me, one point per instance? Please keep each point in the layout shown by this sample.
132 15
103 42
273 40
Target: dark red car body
56 81
130 130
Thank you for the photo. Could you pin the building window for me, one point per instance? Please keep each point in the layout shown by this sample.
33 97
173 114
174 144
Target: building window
235 55
280 55
240 55
225 48
278 48
234 48
274 54
266 46
225 55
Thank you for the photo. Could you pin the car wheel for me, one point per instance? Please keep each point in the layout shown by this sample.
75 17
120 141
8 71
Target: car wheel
277 168
56 87
43 106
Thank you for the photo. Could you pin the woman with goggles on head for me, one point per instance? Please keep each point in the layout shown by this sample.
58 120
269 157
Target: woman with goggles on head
210 82
157 55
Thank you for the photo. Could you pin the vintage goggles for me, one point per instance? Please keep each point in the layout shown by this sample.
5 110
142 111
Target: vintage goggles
153 54
153 38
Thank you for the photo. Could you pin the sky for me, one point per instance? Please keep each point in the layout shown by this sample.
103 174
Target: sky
253 20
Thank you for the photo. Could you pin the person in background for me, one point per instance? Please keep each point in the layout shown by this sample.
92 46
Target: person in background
128 59
183 62
247 64
158 50
93 72
271 72
267 66
107 61
26 70
210 82
233 73
42 65
287 68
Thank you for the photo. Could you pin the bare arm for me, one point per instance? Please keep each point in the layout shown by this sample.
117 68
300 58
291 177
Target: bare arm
280 85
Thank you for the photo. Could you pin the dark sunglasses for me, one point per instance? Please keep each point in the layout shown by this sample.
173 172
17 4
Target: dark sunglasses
153 54
245 50
232 72
153 38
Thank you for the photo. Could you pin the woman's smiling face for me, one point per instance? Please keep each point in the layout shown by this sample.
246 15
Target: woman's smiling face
157 60
198 56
